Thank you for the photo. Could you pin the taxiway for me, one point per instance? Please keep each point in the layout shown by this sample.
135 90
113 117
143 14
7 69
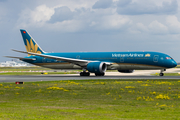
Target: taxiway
138 75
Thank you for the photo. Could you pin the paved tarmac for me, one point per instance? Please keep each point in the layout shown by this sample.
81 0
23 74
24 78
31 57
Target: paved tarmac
139 74
34 78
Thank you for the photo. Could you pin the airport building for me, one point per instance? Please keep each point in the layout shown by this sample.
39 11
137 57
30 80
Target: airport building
14 63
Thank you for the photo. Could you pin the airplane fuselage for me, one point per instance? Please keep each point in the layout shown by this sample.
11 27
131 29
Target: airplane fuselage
119 60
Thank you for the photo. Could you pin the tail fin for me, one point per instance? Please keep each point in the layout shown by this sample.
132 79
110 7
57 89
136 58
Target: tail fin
30 43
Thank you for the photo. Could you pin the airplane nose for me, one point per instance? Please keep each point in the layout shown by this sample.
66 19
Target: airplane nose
174 64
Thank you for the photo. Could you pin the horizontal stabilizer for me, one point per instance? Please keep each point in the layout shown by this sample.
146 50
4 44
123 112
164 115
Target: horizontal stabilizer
21 58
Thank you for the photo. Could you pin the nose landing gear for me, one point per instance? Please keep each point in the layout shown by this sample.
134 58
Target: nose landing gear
161 73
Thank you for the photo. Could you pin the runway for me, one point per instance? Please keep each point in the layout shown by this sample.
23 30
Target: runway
76 77
137 75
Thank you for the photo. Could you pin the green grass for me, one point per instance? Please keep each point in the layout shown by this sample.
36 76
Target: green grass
91 99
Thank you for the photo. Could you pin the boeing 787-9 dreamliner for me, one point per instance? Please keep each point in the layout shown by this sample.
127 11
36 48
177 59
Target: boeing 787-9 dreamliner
94 62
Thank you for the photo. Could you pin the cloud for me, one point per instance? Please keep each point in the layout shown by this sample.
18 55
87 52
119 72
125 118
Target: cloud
65 26
173 24
146 7
37 17
123 3
110 23
141 27
102 4
84 20
157 28
61 14
63 18
115 22
42 13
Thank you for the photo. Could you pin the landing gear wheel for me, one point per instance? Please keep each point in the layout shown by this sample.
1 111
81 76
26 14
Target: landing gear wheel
84 73
99 74
161 74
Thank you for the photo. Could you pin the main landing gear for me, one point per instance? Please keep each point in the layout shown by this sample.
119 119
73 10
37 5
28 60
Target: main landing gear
99 74
161 73
84 73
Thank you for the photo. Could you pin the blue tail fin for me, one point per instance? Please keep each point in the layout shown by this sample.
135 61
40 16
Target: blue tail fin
30 43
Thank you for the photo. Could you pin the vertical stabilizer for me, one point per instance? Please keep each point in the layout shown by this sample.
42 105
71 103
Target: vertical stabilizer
30 43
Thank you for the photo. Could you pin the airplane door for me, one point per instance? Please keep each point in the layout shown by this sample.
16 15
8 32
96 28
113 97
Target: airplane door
155 59
44 60
121 59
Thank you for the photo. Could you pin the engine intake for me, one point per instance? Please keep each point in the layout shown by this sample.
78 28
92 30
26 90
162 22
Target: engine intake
126 71
97 67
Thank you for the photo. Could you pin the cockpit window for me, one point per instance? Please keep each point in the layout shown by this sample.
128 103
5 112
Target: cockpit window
169 58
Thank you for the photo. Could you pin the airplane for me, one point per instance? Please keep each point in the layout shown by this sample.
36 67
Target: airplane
94 62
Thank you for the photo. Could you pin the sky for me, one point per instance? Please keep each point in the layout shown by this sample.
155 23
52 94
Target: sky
91 25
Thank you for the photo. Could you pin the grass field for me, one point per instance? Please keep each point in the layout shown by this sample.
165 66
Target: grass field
87 99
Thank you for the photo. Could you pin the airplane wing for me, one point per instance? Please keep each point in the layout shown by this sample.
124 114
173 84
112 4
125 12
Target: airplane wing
70 60
20 58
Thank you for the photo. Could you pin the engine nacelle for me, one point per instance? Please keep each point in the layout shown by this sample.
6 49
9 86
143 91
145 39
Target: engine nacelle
126 71
97 67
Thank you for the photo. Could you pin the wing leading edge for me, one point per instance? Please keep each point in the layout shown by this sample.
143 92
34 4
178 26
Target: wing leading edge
79 62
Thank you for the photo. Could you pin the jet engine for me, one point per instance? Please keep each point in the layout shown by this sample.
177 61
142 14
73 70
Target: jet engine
97 67
126 71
